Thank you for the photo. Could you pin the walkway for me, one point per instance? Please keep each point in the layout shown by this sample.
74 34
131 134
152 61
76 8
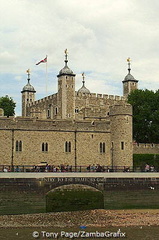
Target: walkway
80 175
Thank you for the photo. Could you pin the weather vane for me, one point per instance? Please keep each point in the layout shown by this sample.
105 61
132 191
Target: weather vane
28 71
129 60
83 75
66 52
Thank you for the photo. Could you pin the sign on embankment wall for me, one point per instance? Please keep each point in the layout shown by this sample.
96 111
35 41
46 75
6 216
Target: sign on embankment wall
103 181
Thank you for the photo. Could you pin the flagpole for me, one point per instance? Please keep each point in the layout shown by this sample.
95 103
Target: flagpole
46 77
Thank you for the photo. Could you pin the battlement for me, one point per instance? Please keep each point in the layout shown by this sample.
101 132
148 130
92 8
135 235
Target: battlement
102 96
146 145
43 100
27 123
145 148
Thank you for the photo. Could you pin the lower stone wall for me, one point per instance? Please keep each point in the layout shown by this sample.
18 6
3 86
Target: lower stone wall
28 195
143 148
44 185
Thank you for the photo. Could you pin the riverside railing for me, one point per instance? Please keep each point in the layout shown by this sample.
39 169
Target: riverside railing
69 168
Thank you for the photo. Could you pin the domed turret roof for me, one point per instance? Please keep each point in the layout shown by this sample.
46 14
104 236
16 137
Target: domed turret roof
83 89
28 87
66 70
129 77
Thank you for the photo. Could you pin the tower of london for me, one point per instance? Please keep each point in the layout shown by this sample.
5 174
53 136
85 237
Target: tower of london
70 127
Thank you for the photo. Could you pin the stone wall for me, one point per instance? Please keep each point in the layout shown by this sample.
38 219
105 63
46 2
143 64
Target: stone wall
143 148
84 138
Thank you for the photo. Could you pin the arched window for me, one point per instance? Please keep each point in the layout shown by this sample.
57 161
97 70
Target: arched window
102 147
56 111
44 147
18 146
48 113
67 146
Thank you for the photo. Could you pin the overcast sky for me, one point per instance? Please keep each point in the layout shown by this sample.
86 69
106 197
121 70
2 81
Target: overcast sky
99 35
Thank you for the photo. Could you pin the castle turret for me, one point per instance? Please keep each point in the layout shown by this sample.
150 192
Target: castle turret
83 89
28 95
121 135
129 82
66 92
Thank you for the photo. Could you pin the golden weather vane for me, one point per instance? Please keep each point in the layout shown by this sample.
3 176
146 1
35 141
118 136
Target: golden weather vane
66 51
28 71
83 75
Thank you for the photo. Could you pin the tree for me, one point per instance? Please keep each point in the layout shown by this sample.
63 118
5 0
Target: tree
8 105
145 115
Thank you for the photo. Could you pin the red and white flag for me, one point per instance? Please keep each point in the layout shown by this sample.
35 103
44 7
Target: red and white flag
42 61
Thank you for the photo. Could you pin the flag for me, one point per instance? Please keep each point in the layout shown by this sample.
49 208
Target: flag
42 61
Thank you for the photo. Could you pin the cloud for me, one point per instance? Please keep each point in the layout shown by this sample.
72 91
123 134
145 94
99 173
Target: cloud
99 35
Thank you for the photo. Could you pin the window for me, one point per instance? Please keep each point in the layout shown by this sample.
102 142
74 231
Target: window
48 113
44 147
18 146
56 111
67 146
102 147
122 145
76 110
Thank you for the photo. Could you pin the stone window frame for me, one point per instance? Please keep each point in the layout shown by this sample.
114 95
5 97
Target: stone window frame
68 147
102 147
76 110
56 110
122 145
18 146
48 113
45 147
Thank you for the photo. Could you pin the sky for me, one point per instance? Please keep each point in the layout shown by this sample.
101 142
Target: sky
99 34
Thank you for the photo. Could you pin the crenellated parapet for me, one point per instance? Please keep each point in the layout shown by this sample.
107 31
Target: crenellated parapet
145 148
100 96
44 100
27 123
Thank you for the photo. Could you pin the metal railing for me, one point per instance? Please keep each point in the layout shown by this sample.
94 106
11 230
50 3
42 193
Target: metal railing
70 168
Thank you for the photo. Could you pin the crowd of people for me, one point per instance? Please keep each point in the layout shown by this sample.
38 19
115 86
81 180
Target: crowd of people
69 168
52 168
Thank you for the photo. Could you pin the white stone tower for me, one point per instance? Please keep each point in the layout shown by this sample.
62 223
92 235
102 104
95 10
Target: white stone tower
66 92
28 96
129 82
121 135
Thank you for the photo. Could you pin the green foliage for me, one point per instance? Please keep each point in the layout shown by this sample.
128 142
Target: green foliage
145 115
140 160
8 105
74 200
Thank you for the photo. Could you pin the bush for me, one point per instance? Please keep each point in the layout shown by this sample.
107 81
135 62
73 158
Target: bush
74 199
140 160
